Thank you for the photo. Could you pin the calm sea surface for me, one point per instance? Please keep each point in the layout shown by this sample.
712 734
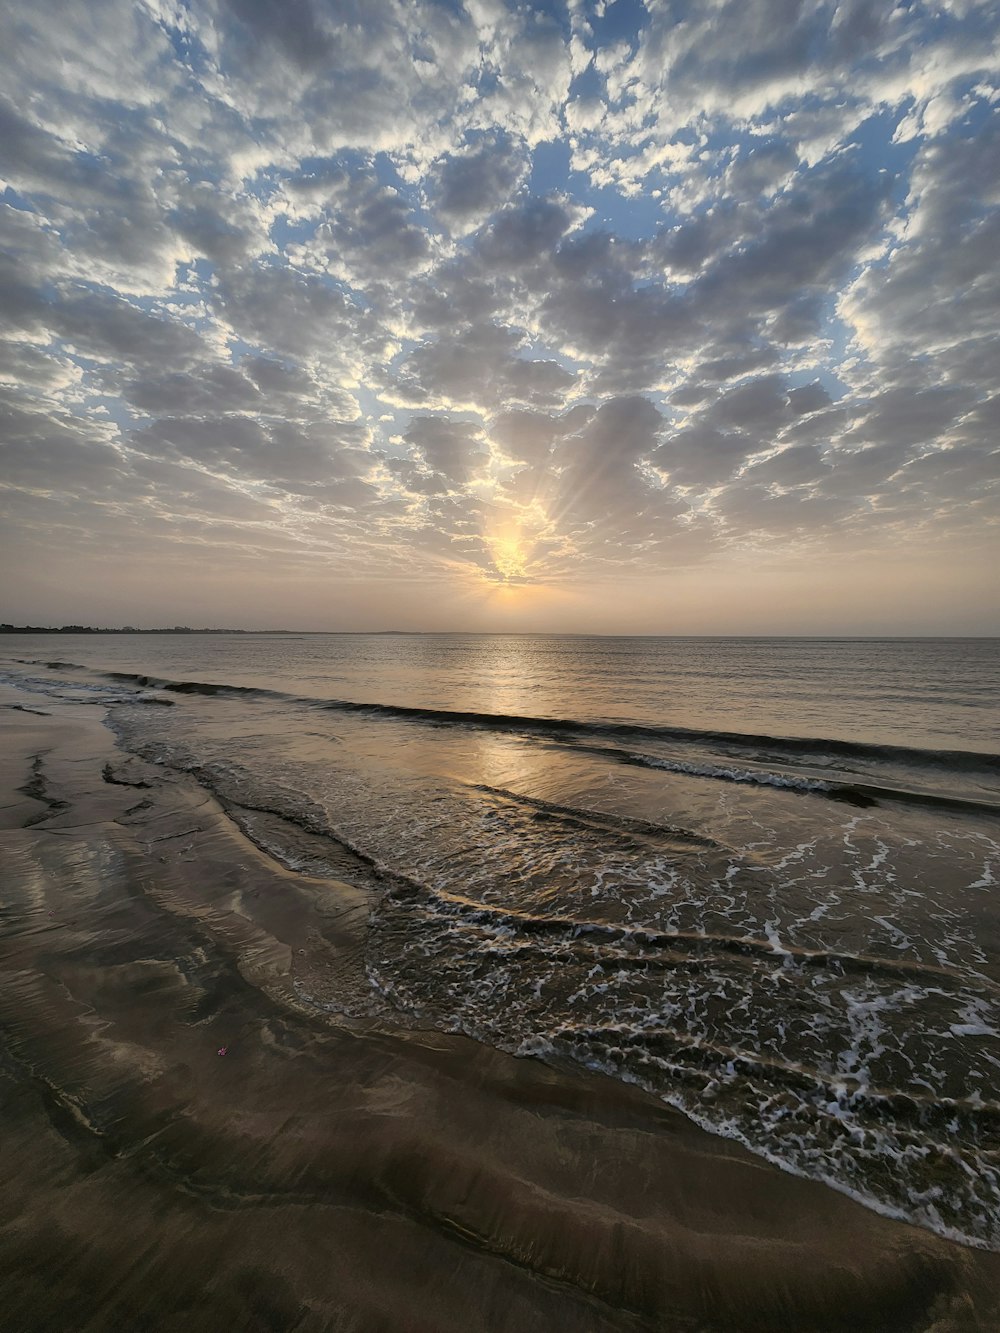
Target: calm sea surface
759 878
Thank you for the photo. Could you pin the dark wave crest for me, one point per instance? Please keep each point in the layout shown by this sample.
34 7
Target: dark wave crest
748 747
788 746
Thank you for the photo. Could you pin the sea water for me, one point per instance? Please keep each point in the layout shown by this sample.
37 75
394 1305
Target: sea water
758 878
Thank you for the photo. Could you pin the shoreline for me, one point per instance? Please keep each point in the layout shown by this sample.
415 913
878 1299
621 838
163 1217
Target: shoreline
341 1173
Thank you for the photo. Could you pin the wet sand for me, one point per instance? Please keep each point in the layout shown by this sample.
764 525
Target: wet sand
339 1174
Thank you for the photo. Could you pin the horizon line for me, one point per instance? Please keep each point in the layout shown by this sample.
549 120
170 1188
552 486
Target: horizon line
7 628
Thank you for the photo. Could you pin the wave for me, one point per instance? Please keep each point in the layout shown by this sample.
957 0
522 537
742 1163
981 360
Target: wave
853 794
206 687
863 794
622 944
752 746
576 815
52 666
966 760
697 1059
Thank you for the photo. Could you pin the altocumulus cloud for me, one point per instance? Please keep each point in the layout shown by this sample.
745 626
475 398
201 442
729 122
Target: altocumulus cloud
375 290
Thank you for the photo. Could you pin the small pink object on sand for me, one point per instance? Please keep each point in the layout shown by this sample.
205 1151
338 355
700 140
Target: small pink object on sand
223 1050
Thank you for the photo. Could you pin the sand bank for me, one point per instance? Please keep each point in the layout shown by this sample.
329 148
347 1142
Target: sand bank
327 1173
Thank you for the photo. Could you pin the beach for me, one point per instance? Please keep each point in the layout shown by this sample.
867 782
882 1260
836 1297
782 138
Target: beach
188 1143
500 667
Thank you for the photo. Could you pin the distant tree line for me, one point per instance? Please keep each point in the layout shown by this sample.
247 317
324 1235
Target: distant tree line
6 628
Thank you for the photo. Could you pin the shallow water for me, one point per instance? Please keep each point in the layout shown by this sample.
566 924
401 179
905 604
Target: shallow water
758 878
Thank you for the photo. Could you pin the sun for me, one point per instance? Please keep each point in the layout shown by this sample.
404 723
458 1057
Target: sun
510 559
516 546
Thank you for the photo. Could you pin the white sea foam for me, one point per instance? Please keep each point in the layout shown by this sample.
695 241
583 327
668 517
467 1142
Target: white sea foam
759 776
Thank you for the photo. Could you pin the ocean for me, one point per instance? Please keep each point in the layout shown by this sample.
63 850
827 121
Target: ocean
756 877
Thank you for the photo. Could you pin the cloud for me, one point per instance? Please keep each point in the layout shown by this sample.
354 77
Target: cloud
49 452
809 239
213 389
520 235
364 231
807 399
451 448
288 29
478 369
938 291
301 317
476 182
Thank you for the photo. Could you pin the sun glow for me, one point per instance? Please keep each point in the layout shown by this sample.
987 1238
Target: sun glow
510 559
518 546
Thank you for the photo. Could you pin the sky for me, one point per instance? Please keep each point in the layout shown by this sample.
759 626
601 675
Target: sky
617 316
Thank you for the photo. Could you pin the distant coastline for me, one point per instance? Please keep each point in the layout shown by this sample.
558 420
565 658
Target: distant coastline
7 628
130 629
